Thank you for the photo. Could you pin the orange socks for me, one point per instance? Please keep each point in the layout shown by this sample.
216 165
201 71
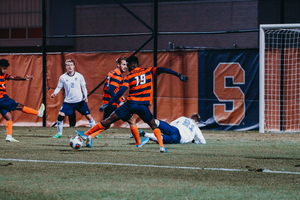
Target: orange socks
157 134
96 133
95 130
9 125
29 110
136 135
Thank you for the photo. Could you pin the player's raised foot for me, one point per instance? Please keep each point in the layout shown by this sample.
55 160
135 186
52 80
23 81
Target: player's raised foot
41 110
163 150
57 136
143 142
89 141
11 139
98 136
81 134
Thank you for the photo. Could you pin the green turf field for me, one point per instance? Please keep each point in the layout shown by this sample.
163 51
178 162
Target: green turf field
232 165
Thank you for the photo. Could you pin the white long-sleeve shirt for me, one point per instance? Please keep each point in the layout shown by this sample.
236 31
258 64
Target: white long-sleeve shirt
188 130
75 87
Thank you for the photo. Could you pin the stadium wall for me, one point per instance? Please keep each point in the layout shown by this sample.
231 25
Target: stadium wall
175 98
223 86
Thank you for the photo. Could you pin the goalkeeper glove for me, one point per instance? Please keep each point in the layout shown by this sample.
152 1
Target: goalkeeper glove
182 77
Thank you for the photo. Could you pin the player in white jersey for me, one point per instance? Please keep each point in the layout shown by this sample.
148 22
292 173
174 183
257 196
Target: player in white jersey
182 130
75 96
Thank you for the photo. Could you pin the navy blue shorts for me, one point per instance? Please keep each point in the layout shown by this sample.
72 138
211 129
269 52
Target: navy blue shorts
126 110
69 108
108 110
171 133
7 104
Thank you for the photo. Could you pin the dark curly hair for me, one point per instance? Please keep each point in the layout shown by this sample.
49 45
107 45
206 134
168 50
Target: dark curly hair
4 63
132 59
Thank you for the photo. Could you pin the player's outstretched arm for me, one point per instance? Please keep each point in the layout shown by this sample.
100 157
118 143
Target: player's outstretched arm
160 70
115 98
19 78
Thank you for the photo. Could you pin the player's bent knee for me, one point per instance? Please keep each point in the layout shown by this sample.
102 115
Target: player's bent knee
60 118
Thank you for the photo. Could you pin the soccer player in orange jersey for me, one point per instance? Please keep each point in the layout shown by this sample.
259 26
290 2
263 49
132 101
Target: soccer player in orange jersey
139 82
111 87
7 104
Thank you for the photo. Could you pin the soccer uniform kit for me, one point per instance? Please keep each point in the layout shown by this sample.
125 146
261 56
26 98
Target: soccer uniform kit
139 82
188 130
182 130
111 87
6 104
74 86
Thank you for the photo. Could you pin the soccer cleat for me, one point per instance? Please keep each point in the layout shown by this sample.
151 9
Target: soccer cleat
143 142
163 150
11 139
57 136
98 136
141 132
89 141
81 134
41 110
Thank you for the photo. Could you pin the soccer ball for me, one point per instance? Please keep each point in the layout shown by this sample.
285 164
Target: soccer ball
76 142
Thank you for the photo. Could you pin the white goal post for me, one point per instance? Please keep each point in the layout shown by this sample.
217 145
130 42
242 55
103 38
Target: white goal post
279 78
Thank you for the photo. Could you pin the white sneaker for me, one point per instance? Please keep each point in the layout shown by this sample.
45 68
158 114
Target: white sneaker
11 139
163 150
41 110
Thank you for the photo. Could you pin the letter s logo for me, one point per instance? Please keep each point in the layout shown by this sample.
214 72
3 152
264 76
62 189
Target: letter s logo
226 93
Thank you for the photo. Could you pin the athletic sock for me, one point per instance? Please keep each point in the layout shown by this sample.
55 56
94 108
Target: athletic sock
157 134
30 111
136 134
151 136
96 133
95 130
9 125
60 125
92 123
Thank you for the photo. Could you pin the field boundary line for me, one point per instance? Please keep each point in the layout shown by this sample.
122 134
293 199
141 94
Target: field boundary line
138 165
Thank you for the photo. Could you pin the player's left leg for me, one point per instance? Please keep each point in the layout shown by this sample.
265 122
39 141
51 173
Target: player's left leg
9 124
171 133
145 114
28 110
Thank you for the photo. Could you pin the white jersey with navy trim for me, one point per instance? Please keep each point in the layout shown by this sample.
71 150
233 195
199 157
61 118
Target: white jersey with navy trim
188 130
75 87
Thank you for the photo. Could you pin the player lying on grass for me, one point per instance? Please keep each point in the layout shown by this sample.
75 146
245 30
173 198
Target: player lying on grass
7 104
182 130
139 82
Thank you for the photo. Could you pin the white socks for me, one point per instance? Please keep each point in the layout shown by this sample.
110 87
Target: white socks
92 123
60 125
151 136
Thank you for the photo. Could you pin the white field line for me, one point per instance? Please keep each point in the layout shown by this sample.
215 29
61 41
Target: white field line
137 165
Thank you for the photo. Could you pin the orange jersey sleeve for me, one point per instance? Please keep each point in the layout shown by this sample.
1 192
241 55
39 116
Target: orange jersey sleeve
114 78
